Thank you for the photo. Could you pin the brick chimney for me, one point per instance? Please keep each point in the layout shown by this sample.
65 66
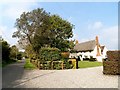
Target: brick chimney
97 43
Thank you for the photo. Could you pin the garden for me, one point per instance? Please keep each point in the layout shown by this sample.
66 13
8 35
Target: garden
52 58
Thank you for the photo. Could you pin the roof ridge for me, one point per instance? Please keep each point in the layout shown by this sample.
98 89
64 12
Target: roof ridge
86 41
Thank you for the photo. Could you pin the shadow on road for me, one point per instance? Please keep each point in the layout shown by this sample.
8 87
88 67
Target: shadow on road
11 74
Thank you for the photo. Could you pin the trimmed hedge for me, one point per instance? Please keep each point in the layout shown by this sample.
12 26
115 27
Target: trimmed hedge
112 64
113 55
49 54
111 67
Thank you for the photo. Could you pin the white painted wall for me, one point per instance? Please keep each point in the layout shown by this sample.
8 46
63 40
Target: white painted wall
104 54
92 53
99 58
72 55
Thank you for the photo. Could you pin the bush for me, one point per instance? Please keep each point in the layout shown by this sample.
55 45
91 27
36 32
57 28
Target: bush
57 65
111 67
113 55
29 65
67 64
49 54
112 64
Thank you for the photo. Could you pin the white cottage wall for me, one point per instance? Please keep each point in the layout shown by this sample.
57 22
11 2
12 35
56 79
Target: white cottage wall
104 54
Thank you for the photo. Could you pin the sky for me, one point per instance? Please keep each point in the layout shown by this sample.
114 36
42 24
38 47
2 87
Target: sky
91 19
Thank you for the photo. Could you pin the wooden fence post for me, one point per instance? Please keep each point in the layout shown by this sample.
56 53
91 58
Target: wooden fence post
62 65
52 65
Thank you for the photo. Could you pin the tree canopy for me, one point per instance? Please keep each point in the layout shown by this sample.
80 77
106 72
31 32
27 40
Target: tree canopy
40 29
13 52
5 50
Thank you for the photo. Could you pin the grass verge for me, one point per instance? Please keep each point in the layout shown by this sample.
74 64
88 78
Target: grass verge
87 64
29 65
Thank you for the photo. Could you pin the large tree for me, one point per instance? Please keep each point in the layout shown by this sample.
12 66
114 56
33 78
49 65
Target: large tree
13 52
40 29
29 23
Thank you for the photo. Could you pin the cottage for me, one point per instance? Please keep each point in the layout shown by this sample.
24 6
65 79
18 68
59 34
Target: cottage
89 49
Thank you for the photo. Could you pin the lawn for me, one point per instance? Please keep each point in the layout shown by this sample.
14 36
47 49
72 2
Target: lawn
87 64
29 65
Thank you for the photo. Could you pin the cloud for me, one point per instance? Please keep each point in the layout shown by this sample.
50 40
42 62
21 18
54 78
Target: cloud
109 37
7 34
95 26
14 10
9 12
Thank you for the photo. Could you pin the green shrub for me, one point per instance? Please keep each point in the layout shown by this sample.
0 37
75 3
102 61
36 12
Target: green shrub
68 65
49 54
57 65
29 65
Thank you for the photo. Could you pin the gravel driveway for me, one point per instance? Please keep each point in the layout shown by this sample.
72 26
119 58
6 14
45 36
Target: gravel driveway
72 78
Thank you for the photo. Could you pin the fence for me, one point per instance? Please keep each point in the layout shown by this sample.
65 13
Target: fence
51 65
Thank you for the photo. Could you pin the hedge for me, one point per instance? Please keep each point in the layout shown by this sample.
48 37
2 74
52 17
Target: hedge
112 64
49 54
111 67
113 55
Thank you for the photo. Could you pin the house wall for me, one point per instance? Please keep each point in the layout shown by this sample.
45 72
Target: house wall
88 54
94 52
104 54
72 55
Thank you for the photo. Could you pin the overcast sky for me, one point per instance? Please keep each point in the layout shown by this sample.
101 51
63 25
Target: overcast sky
91 19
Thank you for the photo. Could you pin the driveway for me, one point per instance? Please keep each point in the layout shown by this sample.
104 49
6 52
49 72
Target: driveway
72 78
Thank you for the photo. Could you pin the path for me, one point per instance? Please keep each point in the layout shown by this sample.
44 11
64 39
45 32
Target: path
73 78
15 76
11 73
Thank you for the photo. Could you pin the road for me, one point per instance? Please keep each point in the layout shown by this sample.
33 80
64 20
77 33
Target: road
14 76
11 73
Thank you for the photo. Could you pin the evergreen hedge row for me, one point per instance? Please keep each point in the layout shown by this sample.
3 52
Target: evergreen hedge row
112 64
